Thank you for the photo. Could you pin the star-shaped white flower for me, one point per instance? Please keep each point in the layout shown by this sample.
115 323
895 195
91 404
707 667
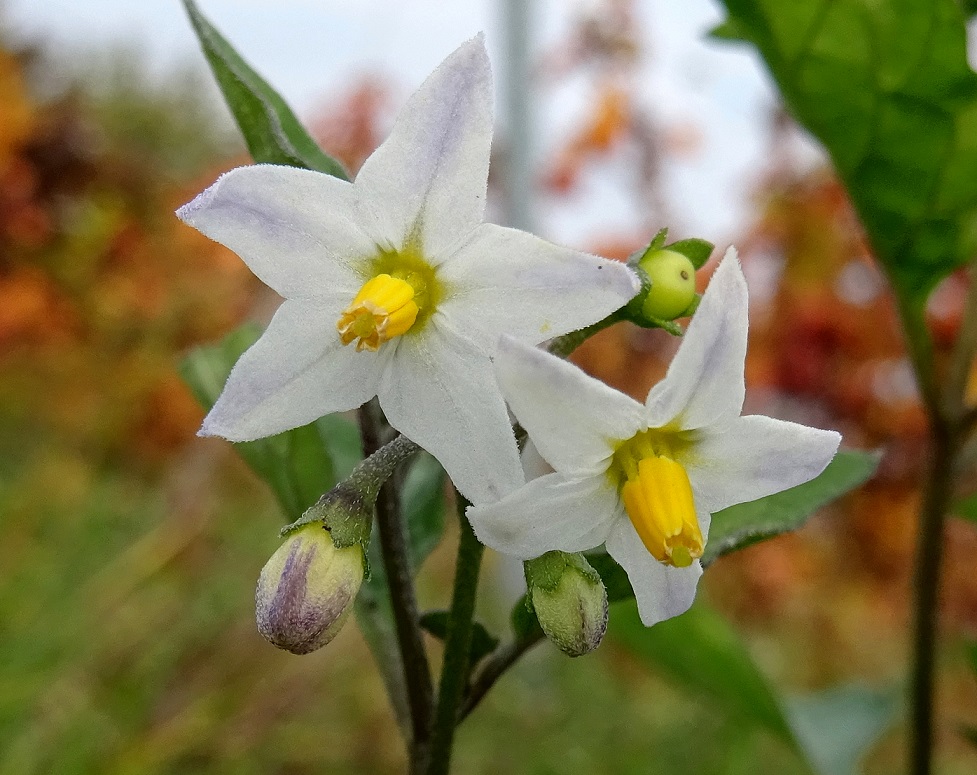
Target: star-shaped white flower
394 287
644 479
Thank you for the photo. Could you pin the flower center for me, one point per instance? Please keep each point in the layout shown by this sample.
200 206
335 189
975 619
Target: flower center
383 308
658 498
400 293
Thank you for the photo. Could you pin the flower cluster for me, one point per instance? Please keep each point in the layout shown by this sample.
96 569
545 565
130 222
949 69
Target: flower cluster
394 287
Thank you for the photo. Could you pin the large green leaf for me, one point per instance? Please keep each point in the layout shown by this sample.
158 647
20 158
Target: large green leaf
836 727
747 523
703 653
272 132
299 464
885 85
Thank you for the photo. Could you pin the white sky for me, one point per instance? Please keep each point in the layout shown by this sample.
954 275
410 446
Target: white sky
309 48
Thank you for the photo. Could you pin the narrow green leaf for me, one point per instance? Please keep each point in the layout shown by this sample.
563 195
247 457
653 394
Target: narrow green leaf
887 88
747 523
483 643
422 498
271 130
615 579
837 727
702 652
297 464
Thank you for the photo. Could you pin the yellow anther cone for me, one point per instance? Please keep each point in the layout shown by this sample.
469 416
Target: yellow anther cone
383 309
658 499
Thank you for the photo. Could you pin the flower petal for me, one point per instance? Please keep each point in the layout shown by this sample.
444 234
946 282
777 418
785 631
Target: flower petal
704 384
551 512
429 177
756 456
504 280
660 590
438 391
296 229
295 373
574 420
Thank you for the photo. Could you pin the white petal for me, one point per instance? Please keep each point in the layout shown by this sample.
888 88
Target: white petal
438 391
508 281
660 590
756 456
549 513
295 373
429 176
704 384
574 420
296 229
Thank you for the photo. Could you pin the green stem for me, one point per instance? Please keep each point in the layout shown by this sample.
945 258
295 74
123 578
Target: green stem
457 645
501 660
396 562
563 346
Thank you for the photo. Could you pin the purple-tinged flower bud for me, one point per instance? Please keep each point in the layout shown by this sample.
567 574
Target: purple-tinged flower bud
569 599
306 590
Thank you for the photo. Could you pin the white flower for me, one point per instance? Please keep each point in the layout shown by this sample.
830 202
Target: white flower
394 287
644 479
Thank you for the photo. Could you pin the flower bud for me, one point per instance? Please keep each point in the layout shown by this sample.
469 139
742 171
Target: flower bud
672 290
570 601
306 589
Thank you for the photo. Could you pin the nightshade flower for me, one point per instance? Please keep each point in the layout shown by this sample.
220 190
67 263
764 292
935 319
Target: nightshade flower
644 479
394 287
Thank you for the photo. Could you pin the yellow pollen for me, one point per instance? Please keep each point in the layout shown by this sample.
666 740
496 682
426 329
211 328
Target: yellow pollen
658 498
383 309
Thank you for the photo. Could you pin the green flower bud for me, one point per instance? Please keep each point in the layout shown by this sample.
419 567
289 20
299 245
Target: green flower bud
570 601
672 290
306 589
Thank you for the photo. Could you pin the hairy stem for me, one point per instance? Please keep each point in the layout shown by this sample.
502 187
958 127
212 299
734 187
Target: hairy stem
393 547
457 645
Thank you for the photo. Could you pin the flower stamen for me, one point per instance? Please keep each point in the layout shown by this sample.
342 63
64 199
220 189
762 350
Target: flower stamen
383 309
657 497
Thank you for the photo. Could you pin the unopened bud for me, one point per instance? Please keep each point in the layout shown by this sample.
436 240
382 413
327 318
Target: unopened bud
570 601
306 589
672 290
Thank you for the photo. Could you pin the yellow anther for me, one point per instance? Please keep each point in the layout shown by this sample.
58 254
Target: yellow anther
658 498
383 308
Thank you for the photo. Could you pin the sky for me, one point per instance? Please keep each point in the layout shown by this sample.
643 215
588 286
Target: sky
308 49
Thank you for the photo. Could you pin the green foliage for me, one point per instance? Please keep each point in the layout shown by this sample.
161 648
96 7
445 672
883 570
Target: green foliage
422 499
887 88
272 132
483 643
966 508
298 465
746 523
703 653
836 727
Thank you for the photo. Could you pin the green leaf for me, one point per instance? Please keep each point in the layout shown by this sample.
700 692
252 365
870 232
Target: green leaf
422 499
747 523
702 652
483 643
525 625
298 464
887 88
272 132
835 728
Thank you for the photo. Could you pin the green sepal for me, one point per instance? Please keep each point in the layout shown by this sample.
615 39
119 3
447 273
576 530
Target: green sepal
695 249
690 310
272 132
483 642
544 572
615 578
525 625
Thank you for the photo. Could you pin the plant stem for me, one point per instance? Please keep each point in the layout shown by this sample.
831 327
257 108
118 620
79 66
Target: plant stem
503 658
393 547
457 645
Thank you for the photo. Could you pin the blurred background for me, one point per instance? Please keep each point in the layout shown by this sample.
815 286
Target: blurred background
129 548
